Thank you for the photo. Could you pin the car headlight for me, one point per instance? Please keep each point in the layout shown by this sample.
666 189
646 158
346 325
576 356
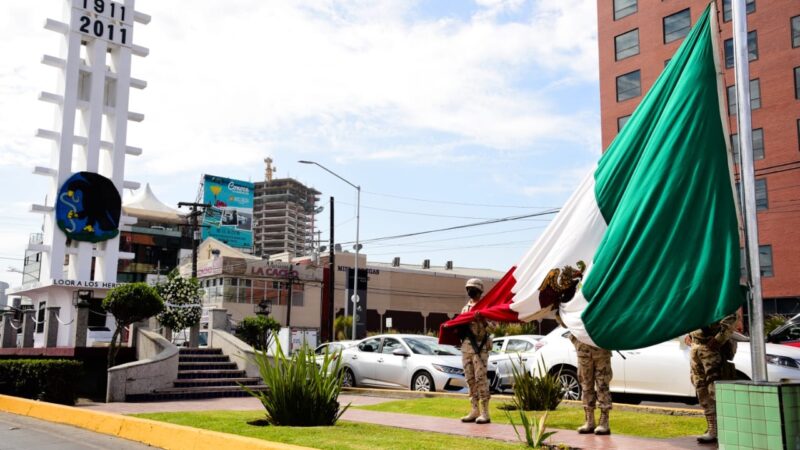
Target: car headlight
783 361
448 369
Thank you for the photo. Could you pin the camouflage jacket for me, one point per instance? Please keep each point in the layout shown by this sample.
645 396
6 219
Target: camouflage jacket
480 328
720 331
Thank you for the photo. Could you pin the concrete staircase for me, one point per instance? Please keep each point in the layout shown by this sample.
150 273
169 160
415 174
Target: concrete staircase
203 373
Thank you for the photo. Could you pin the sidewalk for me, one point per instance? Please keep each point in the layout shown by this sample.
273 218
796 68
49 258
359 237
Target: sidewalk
413 422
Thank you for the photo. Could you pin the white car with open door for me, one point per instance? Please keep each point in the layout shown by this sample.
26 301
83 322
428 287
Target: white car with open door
508 351
659 370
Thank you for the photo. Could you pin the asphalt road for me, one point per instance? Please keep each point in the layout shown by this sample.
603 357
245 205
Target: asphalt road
20 432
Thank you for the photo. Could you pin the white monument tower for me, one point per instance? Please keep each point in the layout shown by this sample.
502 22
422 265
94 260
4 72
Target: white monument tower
80 251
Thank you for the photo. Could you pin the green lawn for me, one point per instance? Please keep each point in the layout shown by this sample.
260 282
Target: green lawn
565 417
343 436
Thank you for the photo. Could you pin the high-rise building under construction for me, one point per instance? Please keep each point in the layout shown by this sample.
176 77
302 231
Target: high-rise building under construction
283 215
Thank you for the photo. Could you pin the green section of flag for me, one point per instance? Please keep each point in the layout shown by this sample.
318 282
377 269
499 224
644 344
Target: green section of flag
669 261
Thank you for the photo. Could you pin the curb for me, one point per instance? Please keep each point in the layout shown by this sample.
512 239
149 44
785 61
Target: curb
157 434
405 395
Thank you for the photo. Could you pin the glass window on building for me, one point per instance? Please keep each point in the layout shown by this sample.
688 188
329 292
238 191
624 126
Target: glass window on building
761 193
621 121
764 260
755 97
797 83
752 49
298 296
677 25
795 31
727 12
627 44
758 145
40 317
624 8
629 85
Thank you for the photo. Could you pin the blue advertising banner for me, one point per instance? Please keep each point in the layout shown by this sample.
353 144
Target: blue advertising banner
230 218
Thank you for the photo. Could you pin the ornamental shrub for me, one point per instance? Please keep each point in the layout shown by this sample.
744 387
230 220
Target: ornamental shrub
301 390
183 301
51 380
258 331
130 303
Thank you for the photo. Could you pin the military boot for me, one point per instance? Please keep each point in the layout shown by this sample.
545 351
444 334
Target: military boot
484 417
474 414
588 426
711 434
602 427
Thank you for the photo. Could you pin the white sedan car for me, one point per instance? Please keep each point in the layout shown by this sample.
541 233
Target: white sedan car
403 361
508 351
659 370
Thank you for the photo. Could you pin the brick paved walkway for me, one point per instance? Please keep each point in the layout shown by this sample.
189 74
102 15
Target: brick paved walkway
413 422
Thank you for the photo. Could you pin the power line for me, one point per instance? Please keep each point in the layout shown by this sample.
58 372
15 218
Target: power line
458 227
445 202
538 227
419 213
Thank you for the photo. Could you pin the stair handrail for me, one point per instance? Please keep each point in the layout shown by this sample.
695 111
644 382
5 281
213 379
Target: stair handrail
240 352
156 368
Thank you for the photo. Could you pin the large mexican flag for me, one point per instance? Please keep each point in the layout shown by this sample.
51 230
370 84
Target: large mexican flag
655 221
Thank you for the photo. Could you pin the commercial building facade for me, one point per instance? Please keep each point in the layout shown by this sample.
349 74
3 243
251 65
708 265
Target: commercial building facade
637 38
405 298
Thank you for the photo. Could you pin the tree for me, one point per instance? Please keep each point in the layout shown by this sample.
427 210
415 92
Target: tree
130 303
183 301
258 331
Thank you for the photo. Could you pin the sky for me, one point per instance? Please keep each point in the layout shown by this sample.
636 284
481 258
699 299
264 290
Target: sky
446 113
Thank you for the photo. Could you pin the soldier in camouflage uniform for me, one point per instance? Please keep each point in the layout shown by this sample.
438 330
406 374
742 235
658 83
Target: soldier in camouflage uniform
711 348
594 374
594 363
475 347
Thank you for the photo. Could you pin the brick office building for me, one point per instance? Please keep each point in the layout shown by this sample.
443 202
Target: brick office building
636 40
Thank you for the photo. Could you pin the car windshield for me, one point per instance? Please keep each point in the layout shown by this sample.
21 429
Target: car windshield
430 346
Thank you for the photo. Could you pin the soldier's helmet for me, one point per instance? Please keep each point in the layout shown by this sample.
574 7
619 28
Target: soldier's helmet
475 283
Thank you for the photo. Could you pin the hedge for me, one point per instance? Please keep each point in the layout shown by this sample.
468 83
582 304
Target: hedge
52 380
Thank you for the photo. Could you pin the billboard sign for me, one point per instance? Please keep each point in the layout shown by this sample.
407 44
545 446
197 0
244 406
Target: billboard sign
230 217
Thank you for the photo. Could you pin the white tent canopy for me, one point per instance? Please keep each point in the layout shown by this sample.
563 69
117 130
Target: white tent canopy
145 205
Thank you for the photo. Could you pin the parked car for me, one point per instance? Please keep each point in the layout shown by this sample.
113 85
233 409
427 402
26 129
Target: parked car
404 361
787 334
333 348
511 350
659 370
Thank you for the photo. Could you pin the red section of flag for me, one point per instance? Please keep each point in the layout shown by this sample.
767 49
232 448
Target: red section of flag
495 306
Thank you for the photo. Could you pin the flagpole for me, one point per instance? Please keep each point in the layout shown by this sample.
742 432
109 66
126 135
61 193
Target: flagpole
747 180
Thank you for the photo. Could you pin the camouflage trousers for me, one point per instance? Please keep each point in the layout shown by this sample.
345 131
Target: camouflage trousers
706 368
475 371
594 374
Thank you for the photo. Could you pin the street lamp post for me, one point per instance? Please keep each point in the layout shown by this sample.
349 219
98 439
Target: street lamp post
354 298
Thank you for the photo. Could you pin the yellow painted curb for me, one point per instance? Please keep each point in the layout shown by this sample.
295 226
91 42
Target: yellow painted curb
150 432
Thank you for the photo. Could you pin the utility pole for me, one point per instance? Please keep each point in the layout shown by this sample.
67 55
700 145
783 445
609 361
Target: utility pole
331 279
196 211
194 225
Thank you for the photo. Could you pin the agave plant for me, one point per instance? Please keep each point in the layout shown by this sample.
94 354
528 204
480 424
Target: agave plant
535 431
542 391
301 391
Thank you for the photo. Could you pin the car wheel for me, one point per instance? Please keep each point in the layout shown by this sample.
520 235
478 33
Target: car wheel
422 382
569 381
348 378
